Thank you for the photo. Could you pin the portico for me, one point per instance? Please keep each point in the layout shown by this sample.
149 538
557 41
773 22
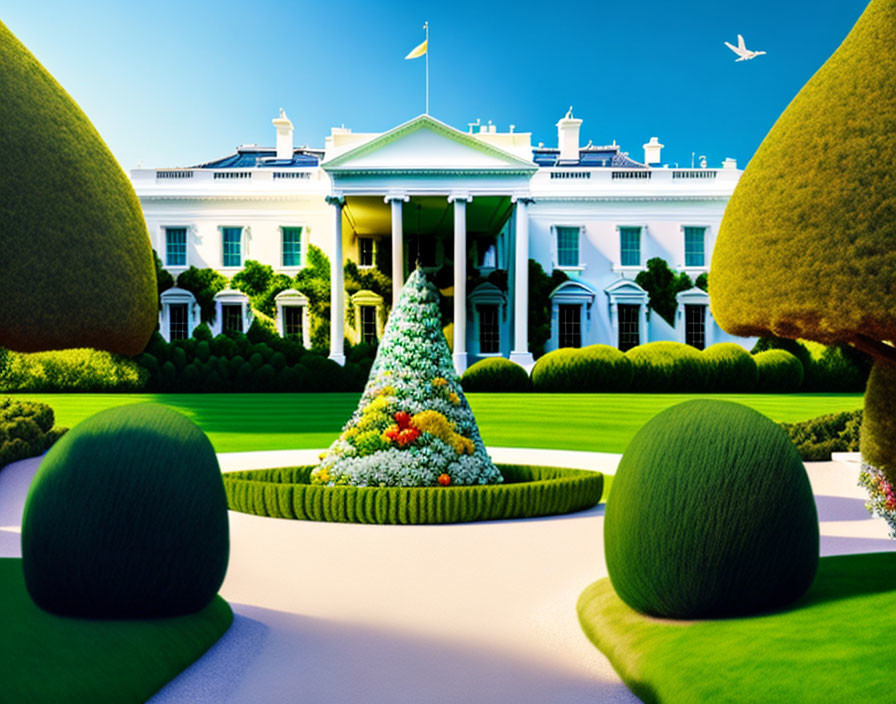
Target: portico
444 198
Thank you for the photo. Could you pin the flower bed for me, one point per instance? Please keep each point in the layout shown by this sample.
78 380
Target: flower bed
526 492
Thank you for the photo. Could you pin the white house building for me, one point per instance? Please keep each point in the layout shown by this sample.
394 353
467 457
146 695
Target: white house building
477 201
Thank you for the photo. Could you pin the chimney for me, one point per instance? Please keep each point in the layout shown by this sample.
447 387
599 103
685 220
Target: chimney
729 163
652 151
284 136
568 137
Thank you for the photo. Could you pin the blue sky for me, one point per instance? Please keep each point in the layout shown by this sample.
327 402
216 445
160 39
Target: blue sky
177 83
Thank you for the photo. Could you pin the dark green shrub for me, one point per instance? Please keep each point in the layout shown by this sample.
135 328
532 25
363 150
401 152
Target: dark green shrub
167 375
189 378
836 368
78 268
127 518
667 367
235 364
178 357
223 346
26 430
242 380
526 492
77 370
256 360
779 372
263 379
213 383
202 332
729 368
323 373
203 284
591 369
663 285
817 438
495 374
263 329
278 361
711 515
540 287
293 379
203 351
149 363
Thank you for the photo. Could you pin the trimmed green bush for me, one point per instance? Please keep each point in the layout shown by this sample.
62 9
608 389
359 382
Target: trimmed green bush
77 370
526 492
729 368
78 268
711 515
667 367
127 518
495 374
26 430
817 438
779 372
878 441
590 369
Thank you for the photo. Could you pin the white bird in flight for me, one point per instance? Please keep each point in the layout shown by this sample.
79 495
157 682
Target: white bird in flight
742 51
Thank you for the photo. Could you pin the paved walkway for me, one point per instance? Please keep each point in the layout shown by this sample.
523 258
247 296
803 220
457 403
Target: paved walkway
473 612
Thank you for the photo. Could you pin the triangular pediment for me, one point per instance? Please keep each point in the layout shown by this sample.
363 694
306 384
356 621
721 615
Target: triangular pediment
426 144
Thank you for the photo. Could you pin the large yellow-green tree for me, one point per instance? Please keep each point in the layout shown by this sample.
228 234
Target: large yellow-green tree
76 267
807 246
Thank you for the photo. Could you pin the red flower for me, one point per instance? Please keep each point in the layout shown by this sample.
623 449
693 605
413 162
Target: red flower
444 479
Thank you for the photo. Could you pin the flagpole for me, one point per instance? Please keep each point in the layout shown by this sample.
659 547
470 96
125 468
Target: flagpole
426 27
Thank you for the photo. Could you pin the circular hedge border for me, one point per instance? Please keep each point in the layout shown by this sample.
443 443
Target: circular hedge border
527 491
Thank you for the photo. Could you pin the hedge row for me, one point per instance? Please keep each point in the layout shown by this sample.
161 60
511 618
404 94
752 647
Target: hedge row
496 374
527 491
26 430
253 362
817 438
666 367
68 371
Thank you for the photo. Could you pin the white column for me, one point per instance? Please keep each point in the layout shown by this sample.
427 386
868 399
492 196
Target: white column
460 282
397 246
520 353
337 285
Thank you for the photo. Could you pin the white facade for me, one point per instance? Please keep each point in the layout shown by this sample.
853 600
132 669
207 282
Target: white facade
480 203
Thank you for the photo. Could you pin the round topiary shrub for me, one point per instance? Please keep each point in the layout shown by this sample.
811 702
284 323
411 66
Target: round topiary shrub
127 518
779 372
711 515
495 374
590 369
729 367
667 367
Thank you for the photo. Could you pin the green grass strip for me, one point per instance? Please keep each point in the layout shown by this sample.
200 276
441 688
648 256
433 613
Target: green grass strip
528 491
834 645
49 659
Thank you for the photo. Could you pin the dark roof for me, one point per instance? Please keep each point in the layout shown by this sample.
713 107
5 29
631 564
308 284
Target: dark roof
588 156
253 157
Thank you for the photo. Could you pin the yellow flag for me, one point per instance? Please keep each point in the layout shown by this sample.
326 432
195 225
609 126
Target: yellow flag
418 51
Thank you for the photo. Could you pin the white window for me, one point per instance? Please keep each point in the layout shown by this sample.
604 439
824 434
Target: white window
567 246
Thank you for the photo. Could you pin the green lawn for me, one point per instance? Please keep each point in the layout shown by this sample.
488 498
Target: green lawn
592 422
835 645
47 659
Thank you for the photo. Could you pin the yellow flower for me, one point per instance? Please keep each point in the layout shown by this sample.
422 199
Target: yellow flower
454 398
439 426
440 381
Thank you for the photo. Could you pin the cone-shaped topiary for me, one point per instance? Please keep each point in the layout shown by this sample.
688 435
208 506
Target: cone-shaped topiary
127 518
413 426
78 269
711 514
